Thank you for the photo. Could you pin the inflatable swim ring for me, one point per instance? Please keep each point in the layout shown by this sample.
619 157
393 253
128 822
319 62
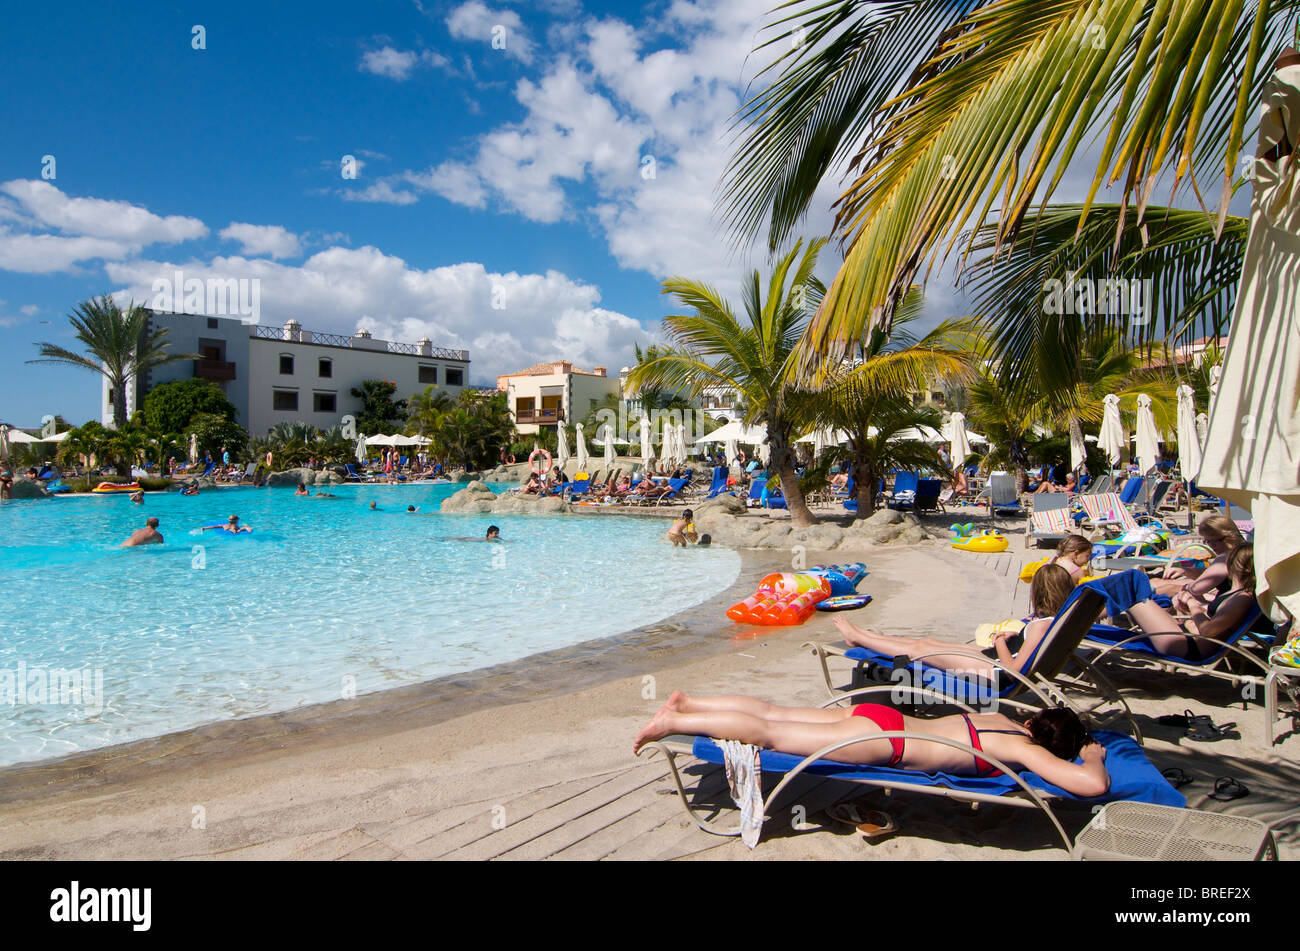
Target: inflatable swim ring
108 488
988 542
846 602
533 466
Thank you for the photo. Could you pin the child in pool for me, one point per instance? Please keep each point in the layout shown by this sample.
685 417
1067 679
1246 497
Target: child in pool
683 530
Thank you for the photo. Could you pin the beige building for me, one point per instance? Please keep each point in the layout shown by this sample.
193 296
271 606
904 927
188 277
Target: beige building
551 393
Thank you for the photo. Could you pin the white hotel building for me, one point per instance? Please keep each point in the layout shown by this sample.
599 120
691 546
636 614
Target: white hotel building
287 374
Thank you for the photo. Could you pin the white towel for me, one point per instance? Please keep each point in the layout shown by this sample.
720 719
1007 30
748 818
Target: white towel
745 778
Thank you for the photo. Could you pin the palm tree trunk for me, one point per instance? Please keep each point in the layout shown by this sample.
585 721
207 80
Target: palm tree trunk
864 481
783 460
119 403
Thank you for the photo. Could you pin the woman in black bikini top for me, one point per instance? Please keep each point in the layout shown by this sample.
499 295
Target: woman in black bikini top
1202 635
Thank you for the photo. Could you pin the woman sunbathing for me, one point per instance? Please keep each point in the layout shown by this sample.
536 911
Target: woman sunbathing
1048 592
1220 535
1211 621
1047 744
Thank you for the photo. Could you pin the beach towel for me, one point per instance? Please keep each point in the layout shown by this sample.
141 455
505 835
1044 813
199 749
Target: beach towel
1132 776
745 780
1121 590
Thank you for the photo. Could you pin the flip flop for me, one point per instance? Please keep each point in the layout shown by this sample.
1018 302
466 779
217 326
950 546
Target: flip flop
1227 789
1175 776
1204 730
877 825
848 814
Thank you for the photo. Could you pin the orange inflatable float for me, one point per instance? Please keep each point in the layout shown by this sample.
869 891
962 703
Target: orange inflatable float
782 599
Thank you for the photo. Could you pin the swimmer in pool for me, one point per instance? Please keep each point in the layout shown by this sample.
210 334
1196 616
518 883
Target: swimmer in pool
232 526
149 535
302 489
137 498
683 530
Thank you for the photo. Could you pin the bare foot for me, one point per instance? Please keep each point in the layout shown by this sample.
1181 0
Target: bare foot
674 702
854 636
656 729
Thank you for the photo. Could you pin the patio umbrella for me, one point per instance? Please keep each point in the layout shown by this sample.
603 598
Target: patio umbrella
1078 452
764 453
561 447
18 437
1148 439
1250 448
610 454
194 447
1189 443
749 435
1202 427
4 442
580 457
959 444
1111 439
647 444
731 451
361 449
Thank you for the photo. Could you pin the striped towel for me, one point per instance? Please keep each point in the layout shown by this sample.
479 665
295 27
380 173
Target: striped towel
1106 509
1052 522
745 778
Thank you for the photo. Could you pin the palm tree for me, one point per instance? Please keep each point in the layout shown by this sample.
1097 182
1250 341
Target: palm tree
757 359
870 399
423 410
949 112
118 346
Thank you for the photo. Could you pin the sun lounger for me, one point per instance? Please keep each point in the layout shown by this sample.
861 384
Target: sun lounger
927 496
1240 660
1002 496
1049 519
1132 776
903 496
719 484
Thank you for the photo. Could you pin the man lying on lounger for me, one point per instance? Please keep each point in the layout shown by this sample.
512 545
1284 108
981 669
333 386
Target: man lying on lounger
1047 744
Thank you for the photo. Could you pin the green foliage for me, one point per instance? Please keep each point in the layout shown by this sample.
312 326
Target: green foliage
169 407
380 413
216 434
117 346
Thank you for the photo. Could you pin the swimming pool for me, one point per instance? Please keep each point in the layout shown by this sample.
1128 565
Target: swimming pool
100 645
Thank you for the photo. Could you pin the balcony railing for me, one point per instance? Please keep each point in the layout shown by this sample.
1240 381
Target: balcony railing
539 417
220 371
263 332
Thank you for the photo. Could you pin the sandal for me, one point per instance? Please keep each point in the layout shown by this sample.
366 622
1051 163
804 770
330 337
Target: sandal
1204 730
1227 789
1175 776
876 826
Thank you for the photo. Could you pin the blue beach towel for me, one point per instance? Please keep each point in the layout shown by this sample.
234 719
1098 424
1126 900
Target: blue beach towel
1132 777
1122 590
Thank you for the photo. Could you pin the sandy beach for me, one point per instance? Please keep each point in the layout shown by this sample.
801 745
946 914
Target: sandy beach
533 759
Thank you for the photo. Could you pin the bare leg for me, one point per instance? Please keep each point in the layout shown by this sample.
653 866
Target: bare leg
1162 631
756 708
801 739
913 647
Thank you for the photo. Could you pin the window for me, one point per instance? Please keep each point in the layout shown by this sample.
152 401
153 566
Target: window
285 401
286 364
324 402
212 323
937 397
326 369
455 377
428 374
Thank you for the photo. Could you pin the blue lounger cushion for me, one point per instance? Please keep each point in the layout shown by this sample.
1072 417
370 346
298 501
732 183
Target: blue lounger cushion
964 687
1108 634
1132 777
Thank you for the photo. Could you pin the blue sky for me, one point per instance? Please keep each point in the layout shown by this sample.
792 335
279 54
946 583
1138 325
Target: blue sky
519 170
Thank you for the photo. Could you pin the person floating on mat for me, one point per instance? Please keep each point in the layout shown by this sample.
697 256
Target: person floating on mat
1047 744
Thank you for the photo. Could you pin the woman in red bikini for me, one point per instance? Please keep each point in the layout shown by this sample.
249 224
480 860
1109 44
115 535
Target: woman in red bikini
1047 744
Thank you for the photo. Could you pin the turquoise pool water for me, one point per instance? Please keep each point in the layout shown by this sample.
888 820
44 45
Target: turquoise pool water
100 645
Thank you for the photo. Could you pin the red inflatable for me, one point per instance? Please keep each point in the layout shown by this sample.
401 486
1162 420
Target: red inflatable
782 599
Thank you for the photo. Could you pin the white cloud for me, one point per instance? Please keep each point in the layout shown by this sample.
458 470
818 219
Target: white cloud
339 290
262 239
49 207
394 64
49 253
502 30
381 191
29 310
